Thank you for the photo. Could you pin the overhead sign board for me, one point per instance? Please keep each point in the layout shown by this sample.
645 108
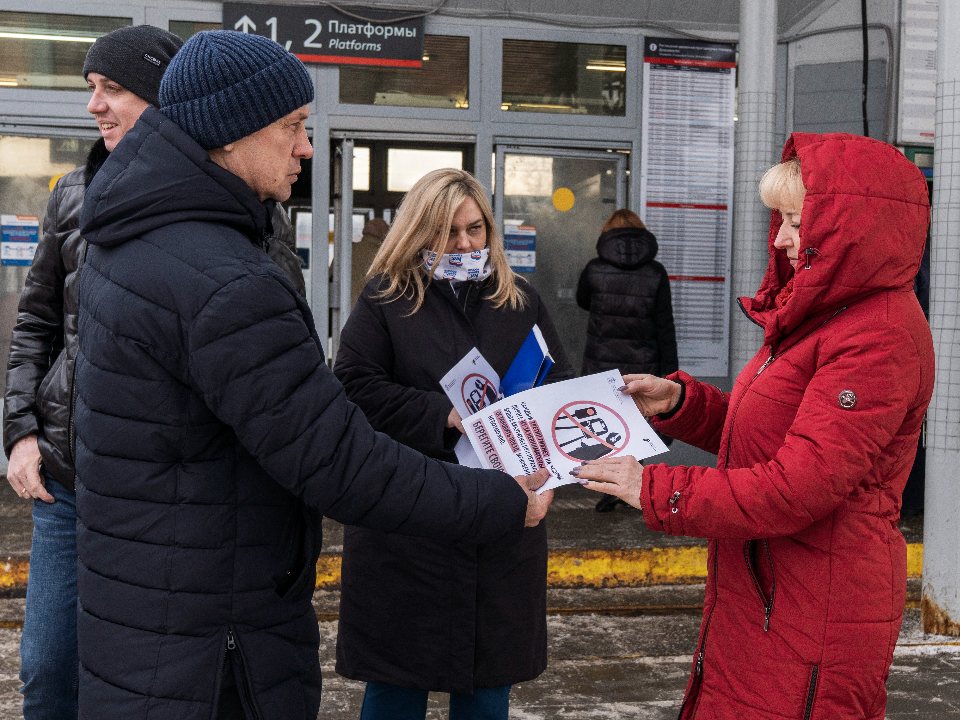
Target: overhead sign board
323 34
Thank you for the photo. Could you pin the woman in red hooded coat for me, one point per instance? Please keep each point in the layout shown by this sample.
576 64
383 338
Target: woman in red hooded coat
807 570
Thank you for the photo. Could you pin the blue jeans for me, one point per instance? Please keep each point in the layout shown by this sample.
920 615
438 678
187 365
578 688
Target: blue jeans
48 648
389 702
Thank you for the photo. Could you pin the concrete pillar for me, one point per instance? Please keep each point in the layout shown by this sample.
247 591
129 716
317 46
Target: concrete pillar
941 526
754 152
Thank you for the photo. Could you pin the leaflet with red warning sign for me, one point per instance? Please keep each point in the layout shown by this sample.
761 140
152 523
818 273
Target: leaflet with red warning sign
559 426
471 384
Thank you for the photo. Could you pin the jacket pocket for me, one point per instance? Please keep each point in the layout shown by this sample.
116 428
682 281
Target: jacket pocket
303 551
51 384
749 549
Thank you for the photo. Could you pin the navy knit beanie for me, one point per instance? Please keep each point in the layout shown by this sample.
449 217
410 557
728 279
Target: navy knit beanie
134 56
224 85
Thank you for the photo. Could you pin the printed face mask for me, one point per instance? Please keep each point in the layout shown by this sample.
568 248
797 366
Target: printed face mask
458 266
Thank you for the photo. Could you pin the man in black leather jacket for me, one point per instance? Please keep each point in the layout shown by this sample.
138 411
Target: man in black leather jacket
123 70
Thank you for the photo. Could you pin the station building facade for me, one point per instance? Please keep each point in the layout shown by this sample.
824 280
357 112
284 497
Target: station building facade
559 108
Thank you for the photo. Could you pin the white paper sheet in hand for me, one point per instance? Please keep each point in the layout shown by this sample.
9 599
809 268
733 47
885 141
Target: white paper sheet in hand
471 384
466 455
559 426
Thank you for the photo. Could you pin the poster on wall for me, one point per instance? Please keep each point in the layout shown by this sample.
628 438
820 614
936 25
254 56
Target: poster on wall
918 71
686 188
19 237
520 244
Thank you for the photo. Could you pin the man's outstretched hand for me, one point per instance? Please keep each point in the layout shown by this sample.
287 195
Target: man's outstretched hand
537 505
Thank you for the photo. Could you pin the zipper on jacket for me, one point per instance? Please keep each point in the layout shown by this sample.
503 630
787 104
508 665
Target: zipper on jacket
767 604
809 252
811 693
698 667
733 417
246 696
71 426
673 501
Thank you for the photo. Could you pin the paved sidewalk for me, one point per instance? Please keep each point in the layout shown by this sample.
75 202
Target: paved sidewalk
604 667
614 652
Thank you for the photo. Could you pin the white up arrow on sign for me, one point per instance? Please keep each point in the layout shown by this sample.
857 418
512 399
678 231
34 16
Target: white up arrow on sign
246 23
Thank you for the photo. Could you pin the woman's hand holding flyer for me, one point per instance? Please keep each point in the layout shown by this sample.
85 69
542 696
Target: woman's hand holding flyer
559 426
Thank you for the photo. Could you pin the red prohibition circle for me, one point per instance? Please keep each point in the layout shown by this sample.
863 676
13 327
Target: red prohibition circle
562 411
486 384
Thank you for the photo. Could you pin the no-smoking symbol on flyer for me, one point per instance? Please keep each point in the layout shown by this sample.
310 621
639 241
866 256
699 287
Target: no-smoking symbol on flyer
477 392
586 430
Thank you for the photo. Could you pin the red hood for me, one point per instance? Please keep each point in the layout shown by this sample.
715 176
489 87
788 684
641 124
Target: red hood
865 215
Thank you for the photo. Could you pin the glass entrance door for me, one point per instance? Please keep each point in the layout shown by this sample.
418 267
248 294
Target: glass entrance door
550 205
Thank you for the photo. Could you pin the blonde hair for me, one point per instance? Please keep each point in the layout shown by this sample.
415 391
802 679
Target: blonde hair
782 186
423 223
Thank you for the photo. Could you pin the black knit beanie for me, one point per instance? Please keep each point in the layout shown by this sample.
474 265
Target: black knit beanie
134 56
224 85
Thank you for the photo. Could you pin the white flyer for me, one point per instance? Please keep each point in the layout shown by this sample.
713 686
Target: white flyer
559 426
466 455
471 384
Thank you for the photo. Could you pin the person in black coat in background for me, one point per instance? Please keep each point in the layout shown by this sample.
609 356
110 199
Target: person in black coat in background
631 316
419 615
210 433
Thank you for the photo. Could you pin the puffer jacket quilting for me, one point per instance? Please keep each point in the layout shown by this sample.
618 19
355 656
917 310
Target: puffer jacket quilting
210 438
807 569
627 292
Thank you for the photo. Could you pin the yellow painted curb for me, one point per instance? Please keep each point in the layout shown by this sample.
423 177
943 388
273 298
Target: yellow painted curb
914 560
679 565
13 573
328 571
626 568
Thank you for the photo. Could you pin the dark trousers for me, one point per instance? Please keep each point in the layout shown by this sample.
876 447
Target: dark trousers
389 702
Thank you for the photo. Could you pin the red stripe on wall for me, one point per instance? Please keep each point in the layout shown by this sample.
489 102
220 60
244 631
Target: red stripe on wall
346 60
686 206
694 63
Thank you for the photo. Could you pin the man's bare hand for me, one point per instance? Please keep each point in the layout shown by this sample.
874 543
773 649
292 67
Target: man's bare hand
23 474
537 505
651 394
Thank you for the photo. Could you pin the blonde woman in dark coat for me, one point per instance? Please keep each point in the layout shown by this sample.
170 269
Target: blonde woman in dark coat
421 615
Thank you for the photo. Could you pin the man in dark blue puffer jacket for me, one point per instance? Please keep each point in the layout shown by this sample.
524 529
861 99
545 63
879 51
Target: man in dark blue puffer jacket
211 436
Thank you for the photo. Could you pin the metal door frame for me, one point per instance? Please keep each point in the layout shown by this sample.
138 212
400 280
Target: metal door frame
541 151
343 241
343 210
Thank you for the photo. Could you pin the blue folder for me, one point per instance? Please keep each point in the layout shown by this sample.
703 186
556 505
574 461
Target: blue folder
530 367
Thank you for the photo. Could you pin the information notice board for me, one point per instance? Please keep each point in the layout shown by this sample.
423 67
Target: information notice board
918 71
686 188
